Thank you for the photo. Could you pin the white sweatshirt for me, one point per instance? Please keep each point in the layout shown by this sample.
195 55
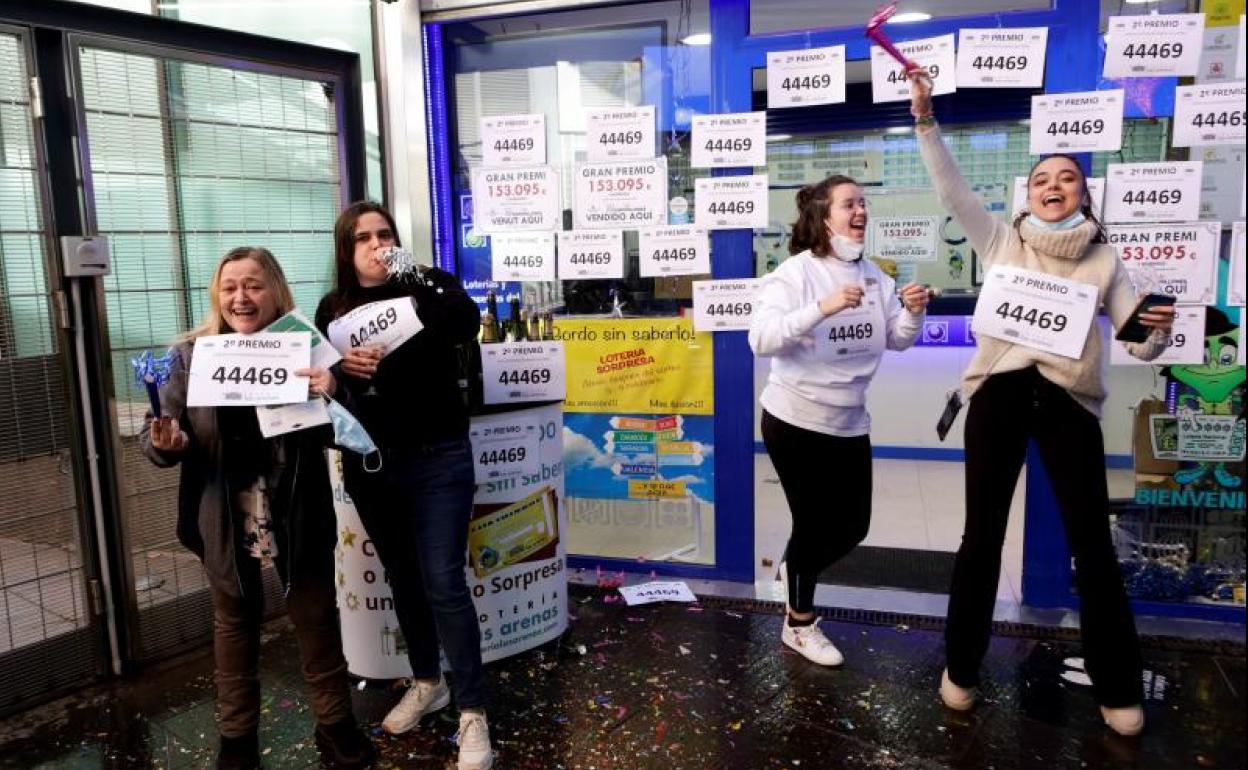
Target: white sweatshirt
819 395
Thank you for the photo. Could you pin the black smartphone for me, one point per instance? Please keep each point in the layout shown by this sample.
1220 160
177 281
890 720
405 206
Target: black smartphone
1133 330
953 405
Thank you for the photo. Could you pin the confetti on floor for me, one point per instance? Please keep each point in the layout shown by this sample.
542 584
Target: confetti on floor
615 694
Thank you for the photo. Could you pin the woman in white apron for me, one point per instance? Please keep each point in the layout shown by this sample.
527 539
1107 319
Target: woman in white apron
825 318
1036 376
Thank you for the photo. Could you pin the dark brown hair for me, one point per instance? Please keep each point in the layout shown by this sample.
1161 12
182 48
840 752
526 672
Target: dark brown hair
810 231
346 282
1085 205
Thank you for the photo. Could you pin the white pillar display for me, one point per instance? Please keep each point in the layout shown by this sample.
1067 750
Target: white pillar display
516 563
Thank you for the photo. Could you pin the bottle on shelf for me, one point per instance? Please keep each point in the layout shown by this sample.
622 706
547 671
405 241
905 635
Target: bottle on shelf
515 323
548 324
495 332
535 324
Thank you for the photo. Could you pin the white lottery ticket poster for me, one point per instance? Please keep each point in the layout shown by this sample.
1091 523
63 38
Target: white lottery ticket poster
619 134
523 256
1002 58
1211 437
903 239
1236 275
589 254
1082 122
511 200
1212 113
504 446
1038 310
1096 191
1180 260
386 324
726 305
681 250
625 195
1153 192
806 77
513 140
1185 346
249 369
935 54
728 202
523 371
1154 45
731 140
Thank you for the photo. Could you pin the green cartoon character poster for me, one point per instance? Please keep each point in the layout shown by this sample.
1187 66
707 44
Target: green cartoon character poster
1185 533
1212 387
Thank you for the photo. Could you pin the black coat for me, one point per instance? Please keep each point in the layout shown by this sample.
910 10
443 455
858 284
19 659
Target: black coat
302 508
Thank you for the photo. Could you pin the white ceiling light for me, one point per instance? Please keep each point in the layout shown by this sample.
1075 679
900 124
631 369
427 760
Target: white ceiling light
912 16
779 137
698 38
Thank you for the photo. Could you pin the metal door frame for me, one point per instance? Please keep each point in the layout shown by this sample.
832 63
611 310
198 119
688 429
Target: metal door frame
55 30
65 646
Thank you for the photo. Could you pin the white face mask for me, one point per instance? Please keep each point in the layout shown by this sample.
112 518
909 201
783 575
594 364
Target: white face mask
846 249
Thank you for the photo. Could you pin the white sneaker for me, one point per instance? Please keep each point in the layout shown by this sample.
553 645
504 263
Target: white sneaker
1128 720
420 699
953 696
474 742
811 643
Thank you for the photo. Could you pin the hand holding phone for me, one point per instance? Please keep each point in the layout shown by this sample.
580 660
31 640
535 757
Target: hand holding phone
1134 329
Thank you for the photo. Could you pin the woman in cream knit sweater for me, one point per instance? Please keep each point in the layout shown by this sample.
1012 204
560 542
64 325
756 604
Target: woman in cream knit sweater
1019 392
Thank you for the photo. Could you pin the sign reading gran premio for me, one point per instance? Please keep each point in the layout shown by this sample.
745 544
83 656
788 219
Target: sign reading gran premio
1180 260
620 196
516 199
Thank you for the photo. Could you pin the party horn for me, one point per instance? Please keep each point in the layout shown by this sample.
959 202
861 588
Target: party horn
875 31
150 373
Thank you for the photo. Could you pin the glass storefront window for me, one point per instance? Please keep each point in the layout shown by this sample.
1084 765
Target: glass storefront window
887 163
639 419
345 25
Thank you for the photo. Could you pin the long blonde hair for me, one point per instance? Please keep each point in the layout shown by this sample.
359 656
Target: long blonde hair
214 321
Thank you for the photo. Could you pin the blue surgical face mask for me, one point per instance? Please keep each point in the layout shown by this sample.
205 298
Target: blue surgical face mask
349 433
1069 223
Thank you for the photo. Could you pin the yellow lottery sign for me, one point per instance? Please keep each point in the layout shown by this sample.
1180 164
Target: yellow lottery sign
650 489
638 366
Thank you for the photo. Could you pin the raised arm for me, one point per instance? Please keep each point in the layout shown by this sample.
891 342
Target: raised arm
983 229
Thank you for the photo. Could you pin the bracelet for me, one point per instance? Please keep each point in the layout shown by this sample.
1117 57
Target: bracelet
925 120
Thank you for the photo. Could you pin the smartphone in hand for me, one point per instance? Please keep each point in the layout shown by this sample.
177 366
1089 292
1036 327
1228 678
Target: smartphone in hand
1134 330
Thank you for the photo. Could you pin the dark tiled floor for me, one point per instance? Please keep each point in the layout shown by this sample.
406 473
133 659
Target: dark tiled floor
705 688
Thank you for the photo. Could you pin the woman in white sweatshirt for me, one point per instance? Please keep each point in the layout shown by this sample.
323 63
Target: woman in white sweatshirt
1021 389
825 317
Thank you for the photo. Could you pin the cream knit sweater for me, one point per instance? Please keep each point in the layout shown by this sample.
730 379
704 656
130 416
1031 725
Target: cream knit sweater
1066 253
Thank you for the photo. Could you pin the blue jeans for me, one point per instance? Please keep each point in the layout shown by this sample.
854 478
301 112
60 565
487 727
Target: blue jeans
416 510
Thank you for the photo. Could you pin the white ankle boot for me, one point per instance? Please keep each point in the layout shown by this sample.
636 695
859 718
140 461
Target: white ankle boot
953 696
1128 720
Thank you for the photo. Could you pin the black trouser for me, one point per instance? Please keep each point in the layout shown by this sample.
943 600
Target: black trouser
1007 411
416 510
827 482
